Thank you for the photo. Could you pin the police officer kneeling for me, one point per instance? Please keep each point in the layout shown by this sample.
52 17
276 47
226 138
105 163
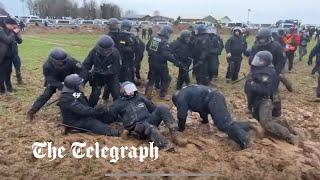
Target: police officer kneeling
76 111
141 117
260 86
206 100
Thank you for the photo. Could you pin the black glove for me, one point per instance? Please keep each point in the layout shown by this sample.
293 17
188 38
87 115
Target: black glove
112 132
310 62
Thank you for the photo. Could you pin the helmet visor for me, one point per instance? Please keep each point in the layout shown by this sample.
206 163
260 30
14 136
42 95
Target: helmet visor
258 62
129 89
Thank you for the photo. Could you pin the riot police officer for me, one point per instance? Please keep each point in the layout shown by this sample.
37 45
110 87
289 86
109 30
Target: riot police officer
261 84
235 47
141 117
128 48
77 113
217 46
206 100
159 53
55 69
181 49
104 60
264 42
201 46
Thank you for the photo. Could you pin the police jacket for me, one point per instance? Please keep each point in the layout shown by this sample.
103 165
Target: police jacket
182 51
55 76
131 110
236 45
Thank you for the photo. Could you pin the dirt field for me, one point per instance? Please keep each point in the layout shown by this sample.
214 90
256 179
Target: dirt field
211 152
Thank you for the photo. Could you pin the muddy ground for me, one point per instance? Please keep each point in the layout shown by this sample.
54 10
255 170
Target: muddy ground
210 152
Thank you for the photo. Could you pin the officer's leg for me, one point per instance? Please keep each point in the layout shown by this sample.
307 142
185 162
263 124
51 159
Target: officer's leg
165 81
276 99
138 67
130 71
106 92
180 78
290 56
8 80
202 74
316 66
318 88
2 80
216 67
114 86
237 70
271 126
211 68
154 135
95 95
41 100
17 66
152 75
204 117
230 69
222 119
95 126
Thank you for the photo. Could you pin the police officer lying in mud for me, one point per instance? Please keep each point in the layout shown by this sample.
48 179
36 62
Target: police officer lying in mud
260 87
55 69
141 117
206 100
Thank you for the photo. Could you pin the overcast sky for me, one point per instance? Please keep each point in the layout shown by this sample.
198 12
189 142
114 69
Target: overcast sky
262 11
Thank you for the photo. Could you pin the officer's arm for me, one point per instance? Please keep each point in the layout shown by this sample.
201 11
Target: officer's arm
252 54
227 46
4 38
314 51
18 38
182 113
77 67
280 60
167 54
150 106
50 79
221 45
245 47
78 108
115 110
87 64
263 85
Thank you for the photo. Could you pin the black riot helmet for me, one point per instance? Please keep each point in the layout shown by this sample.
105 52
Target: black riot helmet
264 37
58 57
72 83
262 59
114 25
105 45
126 25
185 35
166 31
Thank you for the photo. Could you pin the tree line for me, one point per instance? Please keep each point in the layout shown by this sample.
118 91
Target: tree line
88 9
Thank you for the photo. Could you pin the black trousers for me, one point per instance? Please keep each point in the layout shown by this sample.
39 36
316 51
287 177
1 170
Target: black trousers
92 124
183 77
149 128
127 70
318 88
234 67
5 76
159 71
111 85
290 56
137 65
213 67
44 97
316 67
201 72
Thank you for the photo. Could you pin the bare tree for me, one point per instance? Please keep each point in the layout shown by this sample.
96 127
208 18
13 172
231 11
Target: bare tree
109 10
130 13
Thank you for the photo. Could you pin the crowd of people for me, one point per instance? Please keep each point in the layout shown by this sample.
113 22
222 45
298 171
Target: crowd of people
113 66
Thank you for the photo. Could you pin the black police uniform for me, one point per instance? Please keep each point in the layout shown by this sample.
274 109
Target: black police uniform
236 45
141 117
201 45
77 113
53 79
183 54
8 41
206 100
159 52
215 51
278 62
261 85
316 52
105 72
128 49
139 57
